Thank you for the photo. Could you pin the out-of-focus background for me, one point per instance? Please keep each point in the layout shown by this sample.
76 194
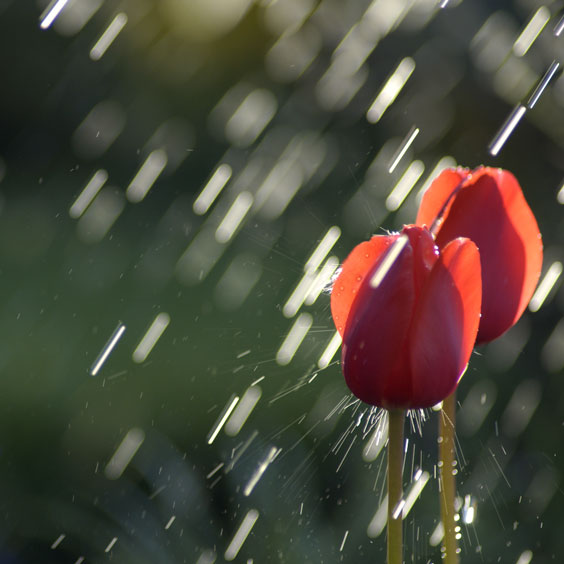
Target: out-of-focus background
179 181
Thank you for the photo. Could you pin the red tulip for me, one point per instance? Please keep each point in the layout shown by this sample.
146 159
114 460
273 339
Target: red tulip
407 341
487 206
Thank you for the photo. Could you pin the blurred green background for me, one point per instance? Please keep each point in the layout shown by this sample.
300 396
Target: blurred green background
148 107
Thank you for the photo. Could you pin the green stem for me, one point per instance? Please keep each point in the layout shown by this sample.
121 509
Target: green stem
395 466
447 478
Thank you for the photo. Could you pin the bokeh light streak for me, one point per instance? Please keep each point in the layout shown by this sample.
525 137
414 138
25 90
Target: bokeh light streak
521 407
111 544
282 184
514 80
338 86
437 534
212 189
391 256
344 541
404 185
207 557
58 541
234 217
100 216
403 148
329 351
560 194
238 281
376 442
301 158
419 482
378 522
170 522
223 416
243 410
51 13
356 46
99 129
75 16
322 280
88 194
531 31
292 54
543 83
493 42
107 350
322 249
241 535
288 16
124 453
506 129
390 90
238 452
468 510
299 294
525 557
384 16
108 37
251 117
146 176
262 467
543 487
149 340
545 286
559 27
176 137
199 258
475 407
294 339
215 470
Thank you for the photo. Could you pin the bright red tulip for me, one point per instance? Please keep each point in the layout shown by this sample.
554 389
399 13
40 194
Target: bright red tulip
407 341
487 206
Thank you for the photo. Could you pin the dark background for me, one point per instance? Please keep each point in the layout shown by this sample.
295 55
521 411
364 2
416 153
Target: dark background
65 285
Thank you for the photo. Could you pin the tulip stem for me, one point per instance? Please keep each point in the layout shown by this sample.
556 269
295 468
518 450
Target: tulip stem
447 468
396 419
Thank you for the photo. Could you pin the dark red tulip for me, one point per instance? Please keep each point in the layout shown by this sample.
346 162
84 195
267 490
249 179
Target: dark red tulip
407 341
487 206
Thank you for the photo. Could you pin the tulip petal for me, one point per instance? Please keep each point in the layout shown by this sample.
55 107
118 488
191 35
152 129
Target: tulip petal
435 200
374 357
360 262
425 254
491 210
445 323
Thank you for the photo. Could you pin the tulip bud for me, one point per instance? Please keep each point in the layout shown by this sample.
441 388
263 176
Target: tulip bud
408 338
487 206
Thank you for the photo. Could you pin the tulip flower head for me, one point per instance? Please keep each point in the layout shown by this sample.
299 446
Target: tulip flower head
408 332
487 206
